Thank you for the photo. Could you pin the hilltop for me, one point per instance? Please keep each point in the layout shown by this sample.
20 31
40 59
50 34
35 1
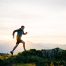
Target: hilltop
36 56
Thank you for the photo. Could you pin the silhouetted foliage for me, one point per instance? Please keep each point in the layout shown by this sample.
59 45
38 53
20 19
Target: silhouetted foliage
1 62
39 57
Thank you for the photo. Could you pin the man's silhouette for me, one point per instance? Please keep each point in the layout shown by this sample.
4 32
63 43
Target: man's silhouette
20 32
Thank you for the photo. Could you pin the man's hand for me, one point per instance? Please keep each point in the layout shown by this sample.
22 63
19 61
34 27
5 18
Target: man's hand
25 33
14 32
13 36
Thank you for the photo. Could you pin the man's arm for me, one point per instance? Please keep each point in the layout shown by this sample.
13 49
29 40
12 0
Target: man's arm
14 32
24 33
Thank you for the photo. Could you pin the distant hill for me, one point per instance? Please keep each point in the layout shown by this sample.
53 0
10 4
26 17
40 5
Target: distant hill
52 53
3 54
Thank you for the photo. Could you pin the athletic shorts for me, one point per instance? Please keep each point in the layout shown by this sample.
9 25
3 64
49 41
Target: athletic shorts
18 39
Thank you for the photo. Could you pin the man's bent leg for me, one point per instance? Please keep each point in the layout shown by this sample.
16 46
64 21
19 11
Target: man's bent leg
23 44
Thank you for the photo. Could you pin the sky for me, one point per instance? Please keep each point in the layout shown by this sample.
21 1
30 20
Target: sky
44 20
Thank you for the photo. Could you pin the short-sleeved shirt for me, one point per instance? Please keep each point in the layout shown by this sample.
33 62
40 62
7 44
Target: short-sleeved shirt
20 32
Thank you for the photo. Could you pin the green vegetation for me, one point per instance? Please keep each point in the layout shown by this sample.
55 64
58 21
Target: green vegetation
54 57
24 65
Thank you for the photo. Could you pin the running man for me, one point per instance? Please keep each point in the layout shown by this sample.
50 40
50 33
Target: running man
20 32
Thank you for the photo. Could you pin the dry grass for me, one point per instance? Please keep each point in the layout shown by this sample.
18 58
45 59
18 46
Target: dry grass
24 65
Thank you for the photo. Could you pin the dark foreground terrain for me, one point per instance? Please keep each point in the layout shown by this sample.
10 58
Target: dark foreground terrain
33 57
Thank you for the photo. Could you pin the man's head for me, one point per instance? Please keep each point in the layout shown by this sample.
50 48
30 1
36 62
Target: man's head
22 27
